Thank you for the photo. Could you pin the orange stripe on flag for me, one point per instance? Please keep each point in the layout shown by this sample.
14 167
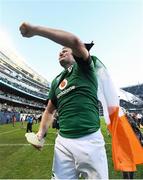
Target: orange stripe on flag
127 151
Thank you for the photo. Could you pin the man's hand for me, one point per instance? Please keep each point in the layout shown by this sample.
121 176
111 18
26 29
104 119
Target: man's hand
27 30
39 136
35 139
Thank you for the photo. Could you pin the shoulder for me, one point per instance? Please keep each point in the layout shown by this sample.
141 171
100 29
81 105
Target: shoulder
90 64
57 79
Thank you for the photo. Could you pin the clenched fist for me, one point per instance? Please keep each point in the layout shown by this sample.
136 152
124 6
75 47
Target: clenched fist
27 30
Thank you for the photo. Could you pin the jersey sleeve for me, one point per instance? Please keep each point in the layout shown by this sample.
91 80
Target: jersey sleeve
85 65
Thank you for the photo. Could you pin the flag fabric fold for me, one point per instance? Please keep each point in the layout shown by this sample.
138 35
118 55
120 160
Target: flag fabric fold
127 151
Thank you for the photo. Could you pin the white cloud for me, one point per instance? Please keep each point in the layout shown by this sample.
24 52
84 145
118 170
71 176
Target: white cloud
5 39
7 46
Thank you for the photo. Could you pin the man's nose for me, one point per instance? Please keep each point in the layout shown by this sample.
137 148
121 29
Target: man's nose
61 53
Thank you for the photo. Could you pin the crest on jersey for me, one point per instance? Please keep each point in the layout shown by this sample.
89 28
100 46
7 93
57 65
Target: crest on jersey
63 84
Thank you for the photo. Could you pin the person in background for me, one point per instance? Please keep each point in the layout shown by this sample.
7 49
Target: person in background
22 119
128 175
13 120
29 123
8 118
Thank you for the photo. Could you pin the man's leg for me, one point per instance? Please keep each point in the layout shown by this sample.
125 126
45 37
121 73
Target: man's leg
128 175
91 160
63 163
27 127
131 175
30 127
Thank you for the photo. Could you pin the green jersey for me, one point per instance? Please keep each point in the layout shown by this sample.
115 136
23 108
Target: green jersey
74 94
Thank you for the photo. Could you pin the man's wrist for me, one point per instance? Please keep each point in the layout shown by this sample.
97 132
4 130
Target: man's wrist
38 30
40 134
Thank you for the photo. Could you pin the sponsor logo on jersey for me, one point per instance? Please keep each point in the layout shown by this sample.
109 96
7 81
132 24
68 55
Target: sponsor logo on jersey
63 84
65 91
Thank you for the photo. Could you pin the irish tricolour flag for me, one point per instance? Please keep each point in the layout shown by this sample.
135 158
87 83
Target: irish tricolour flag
127 151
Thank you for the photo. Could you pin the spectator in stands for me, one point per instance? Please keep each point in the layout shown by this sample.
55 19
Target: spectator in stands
139 117
141 122
135 117
79 147
29 123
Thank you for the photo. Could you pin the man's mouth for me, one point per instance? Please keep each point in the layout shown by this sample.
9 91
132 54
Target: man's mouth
61 58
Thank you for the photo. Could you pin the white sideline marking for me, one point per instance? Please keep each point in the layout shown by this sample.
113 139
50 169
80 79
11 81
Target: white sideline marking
24 144
30 144
9 131
20 129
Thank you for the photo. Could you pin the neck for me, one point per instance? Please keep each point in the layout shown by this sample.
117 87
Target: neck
66 66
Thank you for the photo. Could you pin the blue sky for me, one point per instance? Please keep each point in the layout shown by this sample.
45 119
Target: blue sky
116 26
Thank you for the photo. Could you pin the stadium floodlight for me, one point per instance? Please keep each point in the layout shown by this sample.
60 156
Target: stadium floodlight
33 139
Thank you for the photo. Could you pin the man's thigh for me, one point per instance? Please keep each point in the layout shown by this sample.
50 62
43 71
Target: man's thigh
63 163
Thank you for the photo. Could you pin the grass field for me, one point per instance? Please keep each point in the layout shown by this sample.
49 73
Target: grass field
19 160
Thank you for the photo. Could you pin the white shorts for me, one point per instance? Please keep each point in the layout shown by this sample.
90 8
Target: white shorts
80 157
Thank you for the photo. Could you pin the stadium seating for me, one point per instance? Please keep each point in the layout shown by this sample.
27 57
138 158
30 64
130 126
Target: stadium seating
22 89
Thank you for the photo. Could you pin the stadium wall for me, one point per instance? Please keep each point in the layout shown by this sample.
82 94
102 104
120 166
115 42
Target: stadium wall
6 117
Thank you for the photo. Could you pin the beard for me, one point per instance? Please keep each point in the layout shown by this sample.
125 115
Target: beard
63 63
66 63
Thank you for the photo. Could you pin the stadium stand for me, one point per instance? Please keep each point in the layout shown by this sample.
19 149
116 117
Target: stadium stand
134 99
136 90
22 90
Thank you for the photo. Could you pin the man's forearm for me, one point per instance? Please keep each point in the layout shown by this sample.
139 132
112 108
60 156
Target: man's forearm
46 121
59 36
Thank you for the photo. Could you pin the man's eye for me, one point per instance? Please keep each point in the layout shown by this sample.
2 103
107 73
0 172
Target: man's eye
64 51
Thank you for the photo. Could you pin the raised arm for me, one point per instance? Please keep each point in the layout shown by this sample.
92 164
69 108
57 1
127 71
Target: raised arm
59 36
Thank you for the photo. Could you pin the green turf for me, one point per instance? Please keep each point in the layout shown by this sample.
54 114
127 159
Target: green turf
19 161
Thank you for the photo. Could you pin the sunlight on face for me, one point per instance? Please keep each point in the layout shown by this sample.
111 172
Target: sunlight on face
66 57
